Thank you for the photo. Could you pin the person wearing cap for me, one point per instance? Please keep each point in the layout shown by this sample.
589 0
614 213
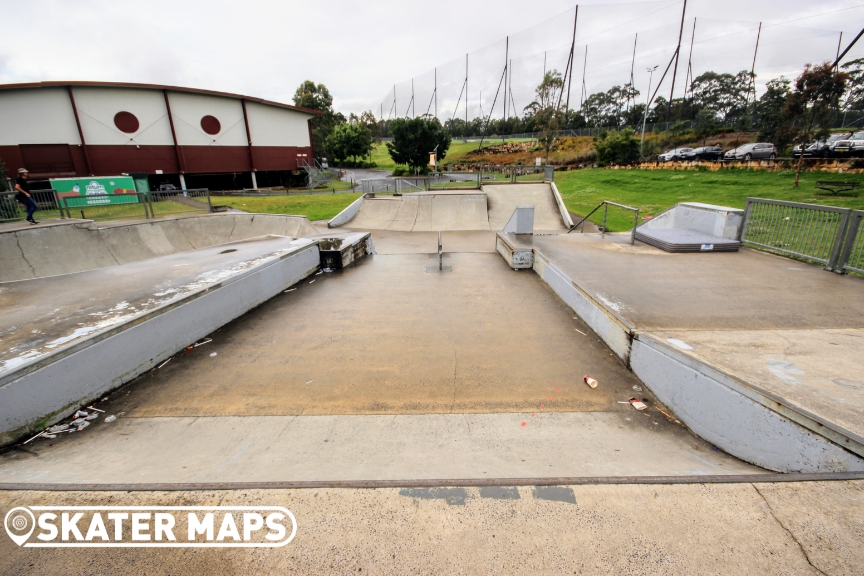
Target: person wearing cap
24 196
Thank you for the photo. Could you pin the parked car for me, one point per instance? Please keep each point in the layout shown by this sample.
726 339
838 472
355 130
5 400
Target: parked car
851 146
752 152
820 148
166 186
708 153
677 154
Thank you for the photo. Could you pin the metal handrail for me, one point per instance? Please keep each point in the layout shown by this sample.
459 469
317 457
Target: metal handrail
605 205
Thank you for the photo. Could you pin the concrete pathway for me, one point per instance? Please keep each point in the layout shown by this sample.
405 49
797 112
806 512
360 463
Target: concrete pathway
785 528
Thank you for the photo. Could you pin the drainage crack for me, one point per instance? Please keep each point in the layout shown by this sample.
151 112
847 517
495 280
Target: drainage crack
788 531
18 242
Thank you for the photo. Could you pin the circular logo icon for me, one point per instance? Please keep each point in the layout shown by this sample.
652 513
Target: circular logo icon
19 523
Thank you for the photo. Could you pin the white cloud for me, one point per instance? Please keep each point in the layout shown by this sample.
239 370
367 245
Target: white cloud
359 50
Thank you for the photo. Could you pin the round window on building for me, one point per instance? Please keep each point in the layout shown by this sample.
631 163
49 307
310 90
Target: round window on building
127 122
210 125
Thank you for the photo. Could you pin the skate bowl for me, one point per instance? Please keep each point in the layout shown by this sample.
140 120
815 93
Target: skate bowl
79 245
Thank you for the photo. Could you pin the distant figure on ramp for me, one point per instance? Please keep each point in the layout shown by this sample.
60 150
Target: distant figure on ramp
24 196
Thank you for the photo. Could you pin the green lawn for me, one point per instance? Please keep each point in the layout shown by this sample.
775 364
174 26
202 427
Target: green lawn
652 191
456 152
313 206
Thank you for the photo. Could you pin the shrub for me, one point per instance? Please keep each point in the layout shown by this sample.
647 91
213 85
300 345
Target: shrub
616 148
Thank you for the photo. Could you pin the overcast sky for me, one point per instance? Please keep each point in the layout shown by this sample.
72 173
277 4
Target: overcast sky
360 50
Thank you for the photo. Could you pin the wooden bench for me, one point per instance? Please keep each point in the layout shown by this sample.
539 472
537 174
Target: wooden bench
836 187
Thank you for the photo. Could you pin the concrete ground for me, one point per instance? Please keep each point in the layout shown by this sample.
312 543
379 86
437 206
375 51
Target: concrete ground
782 528
789 328
345 375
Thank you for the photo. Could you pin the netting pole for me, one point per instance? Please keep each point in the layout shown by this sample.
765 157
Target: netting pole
466 97
584 95
677 53
436 92
506 57
632 64
849 47
572 48
688 81
753 66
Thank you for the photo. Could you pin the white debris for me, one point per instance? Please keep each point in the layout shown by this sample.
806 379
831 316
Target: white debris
110 418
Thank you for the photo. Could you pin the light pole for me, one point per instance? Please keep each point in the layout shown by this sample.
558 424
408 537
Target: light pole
647 105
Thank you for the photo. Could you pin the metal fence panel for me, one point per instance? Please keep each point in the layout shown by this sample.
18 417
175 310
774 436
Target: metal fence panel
806 231
852 257
179 201
11 209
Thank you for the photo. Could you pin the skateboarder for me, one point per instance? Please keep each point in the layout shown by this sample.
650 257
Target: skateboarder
24 196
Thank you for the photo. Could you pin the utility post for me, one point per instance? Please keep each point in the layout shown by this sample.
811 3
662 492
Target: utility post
647 105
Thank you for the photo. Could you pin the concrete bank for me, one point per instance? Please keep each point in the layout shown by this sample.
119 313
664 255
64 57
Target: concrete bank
629 294
69 339
69 246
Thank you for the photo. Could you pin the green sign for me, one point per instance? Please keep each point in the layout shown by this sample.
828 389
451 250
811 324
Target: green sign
95 191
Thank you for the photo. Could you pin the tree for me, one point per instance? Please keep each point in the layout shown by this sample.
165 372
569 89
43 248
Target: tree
545 109
810 106
368 120
349 140
616 148
414 139
724 93
606 108
769 113
317 97
854 97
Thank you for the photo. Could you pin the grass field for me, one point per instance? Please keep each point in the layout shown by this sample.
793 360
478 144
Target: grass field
655 190
313 206
457 151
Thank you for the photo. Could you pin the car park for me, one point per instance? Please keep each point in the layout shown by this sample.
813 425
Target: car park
677 154
820 148
708 153
851 146
755 151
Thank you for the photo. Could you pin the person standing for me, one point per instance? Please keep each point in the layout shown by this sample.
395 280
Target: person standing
23 195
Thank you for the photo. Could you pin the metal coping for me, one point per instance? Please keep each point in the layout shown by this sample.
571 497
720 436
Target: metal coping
768 477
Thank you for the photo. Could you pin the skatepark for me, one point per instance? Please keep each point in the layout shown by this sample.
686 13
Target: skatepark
273 353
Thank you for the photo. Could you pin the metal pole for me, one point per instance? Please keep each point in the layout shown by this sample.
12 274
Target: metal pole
605 213
645 115
466 96
572 48
506 71
851 44
632 63
633 234
436 92
753 66
584 95
839 42
677 53
689 80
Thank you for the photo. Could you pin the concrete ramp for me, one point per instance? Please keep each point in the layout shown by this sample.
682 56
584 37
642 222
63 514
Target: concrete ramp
423 213
76 245
504 198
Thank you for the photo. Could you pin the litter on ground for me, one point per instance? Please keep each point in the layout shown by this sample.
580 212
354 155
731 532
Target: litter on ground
590 381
